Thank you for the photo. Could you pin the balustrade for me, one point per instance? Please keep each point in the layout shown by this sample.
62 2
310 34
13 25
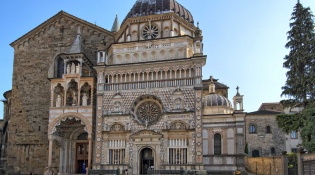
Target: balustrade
146 84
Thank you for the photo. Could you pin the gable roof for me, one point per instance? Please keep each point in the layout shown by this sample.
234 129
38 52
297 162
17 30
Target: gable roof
264 112
60 14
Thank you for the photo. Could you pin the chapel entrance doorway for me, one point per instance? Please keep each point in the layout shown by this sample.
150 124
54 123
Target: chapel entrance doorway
82 154
146 160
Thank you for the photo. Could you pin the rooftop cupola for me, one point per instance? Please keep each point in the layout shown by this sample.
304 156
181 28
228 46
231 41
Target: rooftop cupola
198 45
238 101
152 7
211 86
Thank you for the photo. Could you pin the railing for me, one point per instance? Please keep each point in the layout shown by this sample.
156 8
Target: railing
166 172
146 84
103 172
169 172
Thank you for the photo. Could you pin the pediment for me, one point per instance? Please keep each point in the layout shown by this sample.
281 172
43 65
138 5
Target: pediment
54 20
146 134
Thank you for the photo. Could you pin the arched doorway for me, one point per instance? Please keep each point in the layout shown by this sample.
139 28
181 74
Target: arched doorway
72 134
146 160
82 153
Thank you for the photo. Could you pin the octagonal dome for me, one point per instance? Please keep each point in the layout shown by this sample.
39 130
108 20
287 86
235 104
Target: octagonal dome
216 100
152 7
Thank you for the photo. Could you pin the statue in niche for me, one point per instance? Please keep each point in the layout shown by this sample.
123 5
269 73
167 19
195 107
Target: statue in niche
77 69
117 107
68 69
84 99
58 101
101 56
72 68
178 103
74 98
198 49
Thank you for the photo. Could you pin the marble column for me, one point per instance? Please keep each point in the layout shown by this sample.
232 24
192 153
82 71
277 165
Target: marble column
90 151
50 152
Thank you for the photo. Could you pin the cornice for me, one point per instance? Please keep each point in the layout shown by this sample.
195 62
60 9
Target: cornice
154 18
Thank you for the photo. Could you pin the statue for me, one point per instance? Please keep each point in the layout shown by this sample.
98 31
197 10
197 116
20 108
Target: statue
77 69
74 98
72 68
58 101
84 100
68 69
146 123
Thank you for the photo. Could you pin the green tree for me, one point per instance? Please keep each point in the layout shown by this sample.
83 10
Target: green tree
308 129
300 84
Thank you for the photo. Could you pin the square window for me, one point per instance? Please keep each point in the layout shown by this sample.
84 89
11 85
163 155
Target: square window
293 135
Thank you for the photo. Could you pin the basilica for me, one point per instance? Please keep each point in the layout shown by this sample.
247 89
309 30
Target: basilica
133 97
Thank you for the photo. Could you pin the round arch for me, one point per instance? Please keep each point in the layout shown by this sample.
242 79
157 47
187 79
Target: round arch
70 115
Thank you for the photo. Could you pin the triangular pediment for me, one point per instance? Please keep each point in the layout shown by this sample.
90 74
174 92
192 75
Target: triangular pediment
55 19
146 133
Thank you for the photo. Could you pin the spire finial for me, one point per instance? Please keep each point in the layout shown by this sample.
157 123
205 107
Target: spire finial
116 25
211 86
237 88
198 24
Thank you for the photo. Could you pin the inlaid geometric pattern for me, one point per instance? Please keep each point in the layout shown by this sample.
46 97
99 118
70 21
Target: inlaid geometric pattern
165 95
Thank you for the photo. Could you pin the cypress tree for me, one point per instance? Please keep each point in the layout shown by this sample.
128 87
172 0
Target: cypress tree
300 83
299 86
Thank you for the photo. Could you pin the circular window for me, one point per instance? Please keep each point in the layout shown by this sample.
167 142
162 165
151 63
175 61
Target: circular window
148 112
150 32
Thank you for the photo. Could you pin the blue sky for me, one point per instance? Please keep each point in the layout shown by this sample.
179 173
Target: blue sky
244 40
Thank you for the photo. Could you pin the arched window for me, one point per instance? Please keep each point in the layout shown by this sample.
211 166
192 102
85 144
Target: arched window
217 144
268 129
252 129
60 67
255 153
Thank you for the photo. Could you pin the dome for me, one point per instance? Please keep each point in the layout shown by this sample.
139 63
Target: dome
152 7
216 100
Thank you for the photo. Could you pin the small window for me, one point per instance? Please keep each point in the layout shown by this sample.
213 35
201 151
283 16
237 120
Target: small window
252 129
294 150
217 144
268 129
273 150
255 153
293 135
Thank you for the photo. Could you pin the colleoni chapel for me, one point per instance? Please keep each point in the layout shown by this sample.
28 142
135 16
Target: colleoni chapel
131 98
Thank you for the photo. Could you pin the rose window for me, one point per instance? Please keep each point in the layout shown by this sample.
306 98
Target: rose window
150 32
148 112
